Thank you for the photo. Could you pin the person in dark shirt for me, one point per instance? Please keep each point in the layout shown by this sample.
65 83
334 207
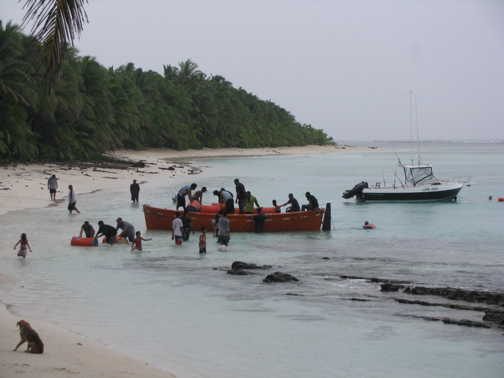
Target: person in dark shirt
241 195
186 226
87 229
259 220
182 193
225 197
312 202
108 231
134 190
294 204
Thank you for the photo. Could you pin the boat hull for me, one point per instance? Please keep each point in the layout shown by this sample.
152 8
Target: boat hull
161 219
428 193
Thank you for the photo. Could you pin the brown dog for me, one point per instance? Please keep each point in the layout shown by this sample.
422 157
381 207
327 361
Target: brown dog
28 334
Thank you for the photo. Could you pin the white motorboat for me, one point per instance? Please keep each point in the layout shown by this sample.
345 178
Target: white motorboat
419 184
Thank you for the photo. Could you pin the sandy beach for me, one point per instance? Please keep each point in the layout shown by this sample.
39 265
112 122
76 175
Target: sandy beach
25 186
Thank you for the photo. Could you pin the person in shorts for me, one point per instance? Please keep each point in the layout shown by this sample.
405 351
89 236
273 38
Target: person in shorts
24 245
52 185
177 227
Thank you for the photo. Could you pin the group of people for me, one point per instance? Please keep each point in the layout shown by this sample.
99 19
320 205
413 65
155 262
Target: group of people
247 202
123 230
52 186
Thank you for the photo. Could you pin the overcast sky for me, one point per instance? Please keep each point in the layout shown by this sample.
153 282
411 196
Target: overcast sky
344 66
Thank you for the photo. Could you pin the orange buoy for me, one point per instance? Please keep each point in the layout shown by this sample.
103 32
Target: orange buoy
83 242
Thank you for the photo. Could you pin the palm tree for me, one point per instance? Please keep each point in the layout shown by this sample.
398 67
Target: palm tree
56 23
188 69
13 76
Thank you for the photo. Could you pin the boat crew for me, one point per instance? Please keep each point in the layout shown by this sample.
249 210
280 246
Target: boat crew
312 202
182 193
294 204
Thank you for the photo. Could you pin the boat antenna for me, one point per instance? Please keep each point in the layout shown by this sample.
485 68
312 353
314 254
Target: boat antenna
411 115
417 129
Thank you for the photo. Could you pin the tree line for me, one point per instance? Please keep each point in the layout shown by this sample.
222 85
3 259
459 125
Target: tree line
85 108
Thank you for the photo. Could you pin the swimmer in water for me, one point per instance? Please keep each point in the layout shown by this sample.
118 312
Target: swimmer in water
368 226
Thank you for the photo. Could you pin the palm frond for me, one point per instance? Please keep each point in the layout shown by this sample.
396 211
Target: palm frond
56 23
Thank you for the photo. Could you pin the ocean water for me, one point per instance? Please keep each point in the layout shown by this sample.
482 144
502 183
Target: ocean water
183 313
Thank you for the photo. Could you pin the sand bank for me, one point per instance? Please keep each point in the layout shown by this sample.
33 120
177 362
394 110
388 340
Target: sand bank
66 355
167 154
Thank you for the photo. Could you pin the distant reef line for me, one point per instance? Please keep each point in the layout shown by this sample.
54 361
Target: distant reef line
87 109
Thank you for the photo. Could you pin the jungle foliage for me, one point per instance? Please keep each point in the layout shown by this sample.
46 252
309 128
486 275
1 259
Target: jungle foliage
87 109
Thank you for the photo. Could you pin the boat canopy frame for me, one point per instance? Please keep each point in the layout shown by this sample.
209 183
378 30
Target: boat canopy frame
415 174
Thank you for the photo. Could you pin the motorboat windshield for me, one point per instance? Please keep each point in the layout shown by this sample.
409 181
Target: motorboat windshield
415 174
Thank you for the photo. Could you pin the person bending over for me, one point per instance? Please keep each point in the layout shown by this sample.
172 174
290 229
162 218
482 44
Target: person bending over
128 230
182 193
87 229
108 231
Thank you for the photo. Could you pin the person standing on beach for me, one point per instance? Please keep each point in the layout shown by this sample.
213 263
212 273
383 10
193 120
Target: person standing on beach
241 194
23 246
134 190
182 193
224 229
52 185
72 200
177 227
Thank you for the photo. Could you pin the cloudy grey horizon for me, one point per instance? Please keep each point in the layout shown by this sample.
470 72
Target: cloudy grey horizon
345 67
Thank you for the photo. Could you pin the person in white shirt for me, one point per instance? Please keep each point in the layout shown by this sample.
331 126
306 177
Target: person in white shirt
72 200
177 227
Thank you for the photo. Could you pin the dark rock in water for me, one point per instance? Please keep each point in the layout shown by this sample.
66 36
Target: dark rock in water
474 296
244 265
280 277
375 280
238 272
138 164
496 317
465 323
461 322
446 305
390 287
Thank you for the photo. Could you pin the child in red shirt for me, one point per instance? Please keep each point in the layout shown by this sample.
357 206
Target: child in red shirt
137 243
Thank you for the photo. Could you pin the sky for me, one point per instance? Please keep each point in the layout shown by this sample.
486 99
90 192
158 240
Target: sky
344 66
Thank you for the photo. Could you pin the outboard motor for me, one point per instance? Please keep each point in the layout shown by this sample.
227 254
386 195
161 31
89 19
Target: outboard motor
356 190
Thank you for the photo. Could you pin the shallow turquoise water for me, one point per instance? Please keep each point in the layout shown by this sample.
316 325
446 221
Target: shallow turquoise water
172 308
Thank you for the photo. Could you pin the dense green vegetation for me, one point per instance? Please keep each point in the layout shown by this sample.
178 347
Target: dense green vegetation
88 109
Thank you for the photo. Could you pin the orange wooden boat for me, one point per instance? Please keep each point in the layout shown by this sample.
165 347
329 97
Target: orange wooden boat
161 219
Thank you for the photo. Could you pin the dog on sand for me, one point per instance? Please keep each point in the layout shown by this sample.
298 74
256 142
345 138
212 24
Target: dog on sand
31 337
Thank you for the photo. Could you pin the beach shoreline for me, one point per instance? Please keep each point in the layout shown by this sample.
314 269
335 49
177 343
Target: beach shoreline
25 187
